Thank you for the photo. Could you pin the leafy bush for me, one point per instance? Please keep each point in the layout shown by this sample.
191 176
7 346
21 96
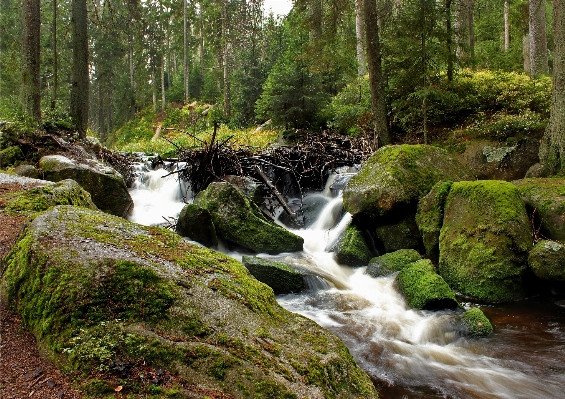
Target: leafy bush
501 125
350 110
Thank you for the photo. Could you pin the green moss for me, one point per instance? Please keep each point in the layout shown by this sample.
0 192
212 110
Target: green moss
401 234
10 156
282 278
272 390
477 323
352 249
423 288
547 260
392 262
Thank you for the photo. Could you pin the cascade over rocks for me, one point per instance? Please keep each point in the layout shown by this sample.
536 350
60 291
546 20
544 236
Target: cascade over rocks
106 186
238 220
107 297
484 240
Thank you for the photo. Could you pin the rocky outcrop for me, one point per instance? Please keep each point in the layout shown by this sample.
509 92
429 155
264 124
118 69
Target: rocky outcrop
395 177
392 262
282 278
107 298
547 260
351 249
423 288
484 240
196 224
239 221
106 186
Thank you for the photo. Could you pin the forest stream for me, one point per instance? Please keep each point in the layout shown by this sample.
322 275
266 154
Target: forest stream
407 353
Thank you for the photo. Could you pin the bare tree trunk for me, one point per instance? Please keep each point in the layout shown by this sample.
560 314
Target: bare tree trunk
131 80
378 106
201 41
526 52
80 80
506 25
55 58
316 12
360 35
31 95
538 38
226 62
552 149
163 83
185 51
449 39
466 31
154 89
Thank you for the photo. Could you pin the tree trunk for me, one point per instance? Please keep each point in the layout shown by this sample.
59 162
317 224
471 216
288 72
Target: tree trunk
378 106
80 80
506 25
526 52
466 31
55 58
163 83
185 51
538 38
360 35
449 39
31 94
226 62
552 150
316 12
131 80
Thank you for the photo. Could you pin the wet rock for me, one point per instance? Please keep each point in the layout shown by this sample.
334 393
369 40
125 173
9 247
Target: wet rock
351 249
254 190
547 260
430 217
476 323
538 170
106 186
196 224
484 240
403 234
423 288
282 278
27 171
11 155
547 197
392 262
238 220
340 182
395 177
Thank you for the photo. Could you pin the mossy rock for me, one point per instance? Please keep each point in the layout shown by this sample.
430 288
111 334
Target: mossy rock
196 223
106 186
547 197
397 177
238 220
403 234
392 262
484 240
423 288
476 323
27 171
430 217
10 156
96 289
547 260
351 249
282 278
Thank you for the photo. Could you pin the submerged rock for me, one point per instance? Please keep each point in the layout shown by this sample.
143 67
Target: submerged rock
351 249
484 240
282 278
397 176
547 260
392 262
106 186
238 220
476 323
196 224
99 292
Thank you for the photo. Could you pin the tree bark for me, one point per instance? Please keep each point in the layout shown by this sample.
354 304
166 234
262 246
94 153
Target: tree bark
31 94
378 105
163 99
55 58
226 62
538 38
449 39
185 51
506 25
526 52
360 36
80 79
552 149
466 31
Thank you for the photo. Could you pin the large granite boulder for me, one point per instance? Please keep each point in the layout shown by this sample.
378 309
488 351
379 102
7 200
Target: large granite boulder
106 186
282 278
240 221
484 240
547 197
196 224
547 260
118 302
395 177
392 262
351 249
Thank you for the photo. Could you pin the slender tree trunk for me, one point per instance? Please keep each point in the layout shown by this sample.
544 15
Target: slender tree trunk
131 80
526 52
154 88
163 83
226 62
552 149
449 39
538 38
466 31
31 94
360 35
80 80
201 41
378 106
185 51
506 25
55 58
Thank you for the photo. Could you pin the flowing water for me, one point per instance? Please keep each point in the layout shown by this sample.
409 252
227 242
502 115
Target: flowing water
407 353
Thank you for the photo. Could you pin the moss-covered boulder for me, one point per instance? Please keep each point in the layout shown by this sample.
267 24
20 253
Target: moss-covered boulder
547 260
106 186
196 223
392 262
397 177
430 217
484 241
282 278
11 155
547 197
476 323
240 221
351 249
423 288
109 298
401 234
27 171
